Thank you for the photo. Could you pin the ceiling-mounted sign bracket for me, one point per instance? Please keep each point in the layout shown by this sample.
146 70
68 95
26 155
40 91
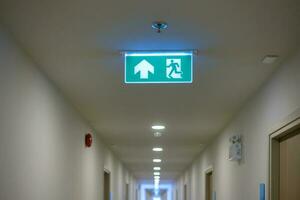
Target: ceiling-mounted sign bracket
195 52
158 67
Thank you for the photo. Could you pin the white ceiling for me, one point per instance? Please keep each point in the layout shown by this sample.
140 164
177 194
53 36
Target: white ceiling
78 43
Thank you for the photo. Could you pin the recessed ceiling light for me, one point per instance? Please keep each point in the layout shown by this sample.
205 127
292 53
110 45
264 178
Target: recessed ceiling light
158 127
270 59
156 173
156 168
156 177
157 149
156 160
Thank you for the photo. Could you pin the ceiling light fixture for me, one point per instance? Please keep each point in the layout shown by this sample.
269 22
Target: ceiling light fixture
157 149
156 168
156 177
156 173
156 160
158 127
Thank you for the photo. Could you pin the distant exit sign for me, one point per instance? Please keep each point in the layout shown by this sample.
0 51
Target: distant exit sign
160 67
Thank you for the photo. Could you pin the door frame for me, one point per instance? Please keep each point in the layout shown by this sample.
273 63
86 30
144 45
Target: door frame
185 191
209 170
106 171
127 190
285 128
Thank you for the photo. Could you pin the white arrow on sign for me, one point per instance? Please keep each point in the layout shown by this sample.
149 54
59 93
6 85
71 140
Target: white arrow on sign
144 67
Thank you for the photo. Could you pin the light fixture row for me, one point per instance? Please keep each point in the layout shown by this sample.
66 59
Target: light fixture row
156 173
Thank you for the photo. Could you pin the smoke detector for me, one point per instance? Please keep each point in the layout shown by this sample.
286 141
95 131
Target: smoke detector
159 26
157 134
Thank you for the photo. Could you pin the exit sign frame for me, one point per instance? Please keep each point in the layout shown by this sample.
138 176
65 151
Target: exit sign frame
164 67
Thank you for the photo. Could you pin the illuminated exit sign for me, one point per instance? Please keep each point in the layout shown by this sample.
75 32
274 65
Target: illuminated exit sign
165 67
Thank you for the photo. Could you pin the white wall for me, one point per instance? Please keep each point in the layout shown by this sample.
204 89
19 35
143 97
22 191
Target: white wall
42 152
279 98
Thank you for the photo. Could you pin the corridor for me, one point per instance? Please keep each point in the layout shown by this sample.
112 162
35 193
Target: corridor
149 100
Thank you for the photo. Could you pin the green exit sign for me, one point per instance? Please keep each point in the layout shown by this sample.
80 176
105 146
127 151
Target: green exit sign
159 67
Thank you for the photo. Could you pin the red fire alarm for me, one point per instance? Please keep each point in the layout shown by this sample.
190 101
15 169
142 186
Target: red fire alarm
88 140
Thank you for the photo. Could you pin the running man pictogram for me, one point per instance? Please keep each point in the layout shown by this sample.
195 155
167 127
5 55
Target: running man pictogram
174 68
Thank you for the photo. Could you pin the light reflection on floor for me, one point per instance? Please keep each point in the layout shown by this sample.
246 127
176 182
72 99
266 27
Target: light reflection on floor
156 198
149 192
